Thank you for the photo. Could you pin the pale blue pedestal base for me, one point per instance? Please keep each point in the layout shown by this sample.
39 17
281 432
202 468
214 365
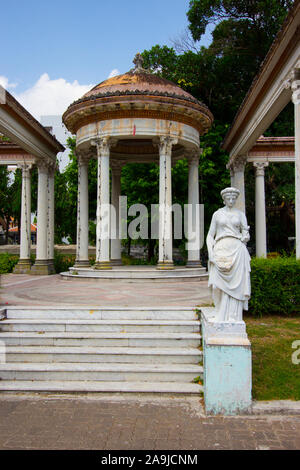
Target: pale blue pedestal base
227 366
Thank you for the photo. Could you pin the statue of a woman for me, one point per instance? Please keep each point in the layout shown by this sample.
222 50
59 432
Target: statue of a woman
229 260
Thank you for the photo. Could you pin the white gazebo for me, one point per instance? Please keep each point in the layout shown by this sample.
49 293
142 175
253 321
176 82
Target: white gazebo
131 118
277 83
31 144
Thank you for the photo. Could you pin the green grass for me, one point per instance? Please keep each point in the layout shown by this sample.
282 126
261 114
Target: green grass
275 377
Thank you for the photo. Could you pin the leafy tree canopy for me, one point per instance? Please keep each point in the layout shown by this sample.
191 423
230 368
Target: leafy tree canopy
261 15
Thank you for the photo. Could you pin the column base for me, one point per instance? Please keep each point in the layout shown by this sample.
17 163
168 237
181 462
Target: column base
116 262
43 268
165 265
22 267
102 265
82 263
193 264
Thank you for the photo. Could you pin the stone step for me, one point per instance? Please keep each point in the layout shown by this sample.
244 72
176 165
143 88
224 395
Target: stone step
107 313
99 355
135 340
101 372
169 388
118 326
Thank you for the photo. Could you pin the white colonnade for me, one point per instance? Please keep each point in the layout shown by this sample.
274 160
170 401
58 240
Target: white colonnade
194 213
295 85
116 257
44 262
24 264
108 242
260 209
82 246
165 257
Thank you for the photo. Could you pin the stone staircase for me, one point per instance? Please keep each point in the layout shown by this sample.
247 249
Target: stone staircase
149 350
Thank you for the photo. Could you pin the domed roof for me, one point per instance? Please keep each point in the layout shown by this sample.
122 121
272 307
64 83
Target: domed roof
140 89
141 82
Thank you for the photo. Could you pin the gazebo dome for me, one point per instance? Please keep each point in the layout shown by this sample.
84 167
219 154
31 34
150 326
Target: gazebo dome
137 117
138 93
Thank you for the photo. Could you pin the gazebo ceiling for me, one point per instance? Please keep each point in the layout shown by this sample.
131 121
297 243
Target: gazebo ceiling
138 94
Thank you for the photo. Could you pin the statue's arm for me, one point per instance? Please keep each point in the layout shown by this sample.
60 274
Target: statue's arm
244 229
210 239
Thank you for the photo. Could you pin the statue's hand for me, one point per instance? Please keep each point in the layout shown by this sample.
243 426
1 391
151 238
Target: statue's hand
245 239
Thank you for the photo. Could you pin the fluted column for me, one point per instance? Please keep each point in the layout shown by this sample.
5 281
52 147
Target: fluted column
296 101
41 265
237 169
193 213
82 246
24 263
103 208
260 210
165 260
51 176
116 257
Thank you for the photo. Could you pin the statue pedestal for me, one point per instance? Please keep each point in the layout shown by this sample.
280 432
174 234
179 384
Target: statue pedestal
227 366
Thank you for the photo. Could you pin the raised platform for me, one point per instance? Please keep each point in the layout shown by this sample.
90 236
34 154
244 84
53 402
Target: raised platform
137 273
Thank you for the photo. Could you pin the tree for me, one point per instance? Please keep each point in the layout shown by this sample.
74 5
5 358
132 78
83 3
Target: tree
263 17
220 76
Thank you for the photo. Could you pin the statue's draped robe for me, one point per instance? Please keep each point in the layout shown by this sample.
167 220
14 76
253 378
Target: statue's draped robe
229 276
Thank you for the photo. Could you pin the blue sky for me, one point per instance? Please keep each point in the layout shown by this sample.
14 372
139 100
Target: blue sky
60 49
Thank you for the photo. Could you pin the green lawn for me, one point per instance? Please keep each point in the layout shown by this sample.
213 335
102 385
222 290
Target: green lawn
275 377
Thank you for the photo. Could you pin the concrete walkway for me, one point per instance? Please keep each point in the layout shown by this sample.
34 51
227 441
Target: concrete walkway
27 290
44 422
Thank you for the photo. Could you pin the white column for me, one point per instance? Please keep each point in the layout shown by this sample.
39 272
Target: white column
24 263
232 182
260 209
41 261
82 247
165 260
296 101
116 257
193 213
103 210
238 168
51 176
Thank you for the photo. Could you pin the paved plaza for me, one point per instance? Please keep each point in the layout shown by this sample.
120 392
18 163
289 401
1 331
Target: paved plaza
123 423
52 290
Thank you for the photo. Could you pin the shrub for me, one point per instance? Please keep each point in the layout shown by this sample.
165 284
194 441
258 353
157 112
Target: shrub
62 262
7 262
275 285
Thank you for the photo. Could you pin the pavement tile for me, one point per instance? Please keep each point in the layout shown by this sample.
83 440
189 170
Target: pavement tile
30 423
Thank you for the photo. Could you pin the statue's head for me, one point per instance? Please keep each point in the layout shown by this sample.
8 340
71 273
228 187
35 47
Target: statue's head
229 196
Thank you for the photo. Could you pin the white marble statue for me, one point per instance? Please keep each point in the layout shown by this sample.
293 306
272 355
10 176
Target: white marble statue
229 260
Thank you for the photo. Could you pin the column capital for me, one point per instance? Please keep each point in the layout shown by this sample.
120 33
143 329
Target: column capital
103 145
25 167
296 91
193 158
260 168
237 164
46 166
165 144
82 157
116 167
292 82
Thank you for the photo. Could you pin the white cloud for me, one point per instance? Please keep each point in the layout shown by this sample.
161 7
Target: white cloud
50 97
5 83
114 73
